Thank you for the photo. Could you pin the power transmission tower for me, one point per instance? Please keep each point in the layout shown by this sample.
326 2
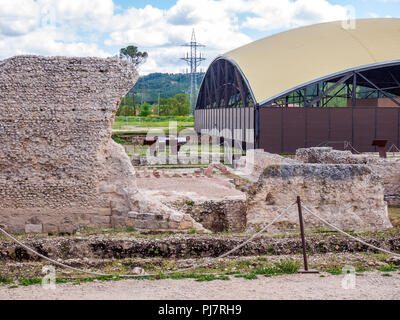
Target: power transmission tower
193 59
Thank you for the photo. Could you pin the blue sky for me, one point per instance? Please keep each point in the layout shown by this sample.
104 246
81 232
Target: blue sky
102 27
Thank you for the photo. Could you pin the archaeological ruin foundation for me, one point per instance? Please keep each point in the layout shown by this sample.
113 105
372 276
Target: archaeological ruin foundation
59 168
388 169
348 195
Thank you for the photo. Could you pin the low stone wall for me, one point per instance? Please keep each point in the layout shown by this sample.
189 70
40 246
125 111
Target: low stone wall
255 161
388 169
349 196
220 215
91 251
328 155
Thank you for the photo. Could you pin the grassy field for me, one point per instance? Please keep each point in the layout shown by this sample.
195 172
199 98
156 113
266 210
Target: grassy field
216 150
126 123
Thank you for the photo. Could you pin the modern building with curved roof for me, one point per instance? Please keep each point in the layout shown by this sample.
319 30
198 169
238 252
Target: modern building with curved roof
315 85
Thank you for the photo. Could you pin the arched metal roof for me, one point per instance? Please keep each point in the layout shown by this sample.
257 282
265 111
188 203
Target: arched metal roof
282 62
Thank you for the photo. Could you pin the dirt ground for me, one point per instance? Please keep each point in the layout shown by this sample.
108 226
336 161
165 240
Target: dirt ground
205 189
370 285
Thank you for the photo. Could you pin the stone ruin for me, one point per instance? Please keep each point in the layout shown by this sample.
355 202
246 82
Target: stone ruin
351 196
388 169
59 168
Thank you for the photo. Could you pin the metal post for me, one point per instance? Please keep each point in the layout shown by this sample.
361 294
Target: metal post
303 240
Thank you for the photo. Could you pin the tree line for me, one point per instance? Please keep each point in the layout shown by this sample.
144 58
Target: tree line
179 105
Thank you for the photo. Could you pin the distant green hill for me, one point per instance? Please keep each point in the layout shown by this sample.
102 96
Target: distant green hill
167 84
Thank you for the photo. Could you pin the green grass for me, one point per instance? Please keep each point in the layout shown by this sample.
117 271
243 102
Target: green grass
279 268
152 122
283 267
334 271
249 276
362 269
388 268
4 280
28 282
187 150
197 277
118 140
143 131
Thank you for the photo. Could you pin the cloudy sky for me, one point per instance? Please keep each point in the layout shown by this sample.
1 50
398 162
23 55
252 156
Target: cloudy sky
101 27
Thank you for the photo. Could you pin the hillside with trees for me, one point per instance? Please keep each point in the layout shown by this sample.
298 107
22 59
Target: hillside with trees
167 85
171 90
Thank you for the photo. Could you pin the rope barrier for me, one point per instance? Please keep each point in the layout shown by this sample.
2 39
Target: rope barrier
349 145
346 145
148 275
393 147
348 235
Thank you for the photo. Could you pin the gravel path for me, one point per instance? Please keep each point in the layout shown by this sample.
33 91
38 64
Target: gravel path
371 285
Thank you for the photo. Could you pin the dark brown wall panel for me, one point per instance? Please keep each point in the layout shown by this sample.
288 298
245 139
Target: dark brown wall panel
317 126
300 127
270 130
364 129
294 129
388 125
340 126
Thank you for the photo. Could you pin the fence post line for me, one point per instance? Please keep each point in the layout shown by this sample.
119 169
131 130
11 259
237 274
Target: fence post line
303 239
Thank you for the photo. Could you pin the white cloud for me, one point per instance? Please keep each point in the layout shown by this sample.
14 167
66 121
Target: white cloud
87 14
47 43
94 28
18 17
271 15
152 27
53 27
162 32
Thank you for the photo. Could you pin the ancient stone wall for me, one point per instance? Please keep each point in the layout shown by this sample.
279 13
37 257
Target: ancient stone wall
59 167
388 169
255 161
349 196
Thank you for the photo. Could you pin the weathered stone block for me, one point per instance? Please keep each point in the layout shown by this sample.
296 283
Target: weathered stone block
388 169
173 225
348 196
50 228
16 229
176 217
67 228
220 215
186 225
101 221
118 222
144 224
33 228
145 216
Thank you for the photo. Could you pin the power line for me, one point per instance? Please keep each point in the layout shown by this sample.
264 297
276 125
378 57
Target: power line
193 59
